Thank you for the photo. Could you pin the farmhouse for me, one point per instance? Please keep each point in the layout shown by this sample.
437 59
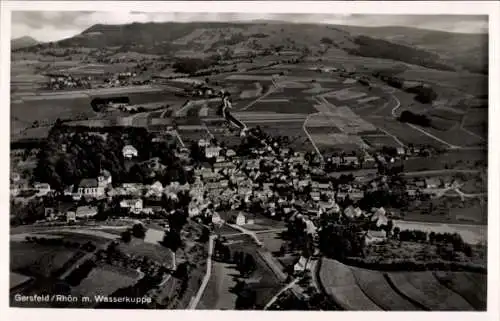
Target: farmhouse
129 151
70 216
432 182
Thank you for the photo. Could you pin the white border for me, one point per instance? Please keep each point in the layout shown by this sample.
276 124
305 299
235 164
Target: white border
490 8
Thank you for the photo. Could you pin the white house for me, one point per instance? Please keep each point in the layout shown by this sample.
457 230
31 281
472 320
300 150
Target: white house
217 220
70 217
203 143
43 188
375 236
212 152
230 153
240 219
302 265
129 151
134 205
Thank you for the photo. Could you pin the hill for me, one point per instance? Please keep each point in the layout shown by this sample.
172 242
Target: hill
431 49
23 42
468 50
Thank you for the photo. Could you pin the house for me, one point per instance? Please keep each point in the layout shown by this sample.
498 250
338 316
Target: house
310 228
432 182
380 217
212 152
70 216
217 220
129 152
304 264
134 205
375 236
43 188
349 212
230 153
400 151
203 143
315 196
105 179
353 160
240 219
89 187
86 212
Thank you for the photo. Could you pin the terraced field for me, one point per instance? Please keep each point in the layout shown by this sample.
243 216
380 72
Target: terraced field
359 289
423 288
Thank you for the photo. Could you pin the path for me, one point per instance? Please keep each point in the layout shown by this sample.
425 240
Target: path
269 92
176 133
194 302
285 288
434 137
252 234
304 128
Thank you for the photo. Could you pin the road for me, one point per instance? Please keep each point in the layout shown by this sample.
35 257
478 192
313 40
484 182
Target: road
252 234
194 302
176 133
441 172
304 127
285 288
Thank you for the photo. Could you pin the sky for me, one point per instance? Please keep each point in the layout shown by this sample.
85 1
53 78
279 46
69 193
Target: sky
57 25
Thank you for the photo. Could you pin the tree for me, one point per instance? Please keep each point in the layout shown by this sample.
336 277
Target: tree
139 231
172 240
126 236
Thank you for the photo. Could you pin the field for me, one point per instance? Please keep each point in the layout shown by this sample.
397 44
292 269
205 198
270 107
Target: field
361 289
405 133
38 259
471 286
104 280
154 252
425 290
456 159
218 295
379 141
339 282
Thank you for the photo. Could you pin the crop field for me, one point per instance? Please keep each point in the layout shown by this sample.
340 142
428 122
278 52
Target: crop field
249 77
379 141
343 118
38 259
154 252
375 286
339 282
471 286
345 94
279 105
338 139
361 289
325 130
424 289
405 133
105 280
455 136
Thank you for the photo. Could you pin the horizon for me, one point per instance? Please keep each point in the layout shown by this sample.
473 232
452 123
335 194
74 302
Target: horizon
50 26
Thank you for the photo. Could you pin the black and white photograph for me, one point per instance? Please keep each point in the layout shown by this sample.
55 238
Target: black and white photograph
248 161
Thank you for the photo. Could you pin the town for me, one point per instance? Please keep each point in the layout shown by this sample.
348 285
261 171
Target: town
299 181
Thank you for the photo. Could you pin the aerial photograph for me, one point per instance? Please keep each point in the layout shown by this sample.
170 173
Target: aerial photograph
248 161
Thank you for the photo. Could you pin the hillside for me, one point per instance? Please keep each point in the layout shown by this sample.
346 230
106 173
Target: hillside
23 42
468 50
431 49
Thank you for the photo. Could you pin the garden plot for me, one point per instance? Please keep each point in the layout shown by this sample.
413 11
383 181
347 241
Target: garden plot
344 119
345 94
218 294
379 141
338 139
